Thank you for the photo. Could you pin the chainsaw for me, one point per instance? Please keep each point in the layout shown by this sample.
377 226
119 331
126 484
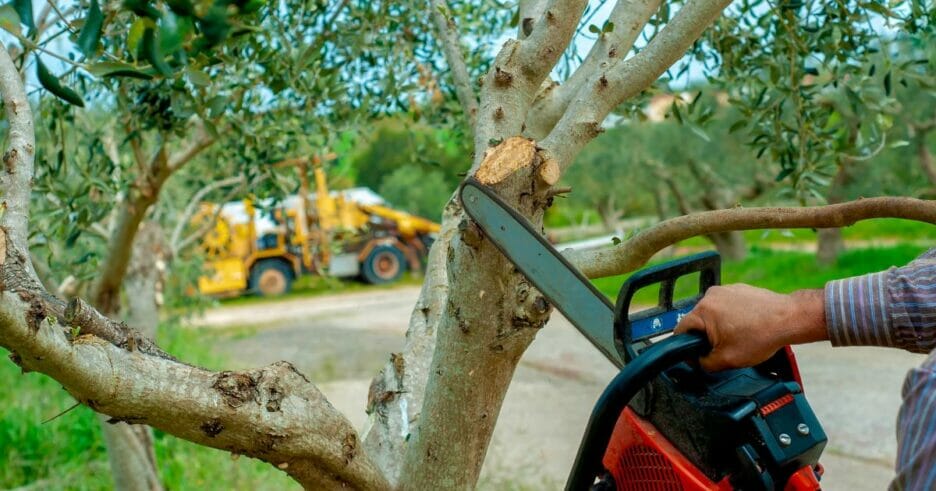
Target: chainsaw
663 423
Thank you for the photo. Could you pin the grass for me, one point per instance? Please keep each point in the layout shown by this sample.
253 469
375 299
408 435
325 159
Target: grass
782 271
68 452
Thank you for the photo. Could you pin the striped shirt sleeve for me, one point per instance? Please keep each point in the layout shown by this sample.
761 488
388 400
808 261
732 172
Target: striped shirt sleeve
895 308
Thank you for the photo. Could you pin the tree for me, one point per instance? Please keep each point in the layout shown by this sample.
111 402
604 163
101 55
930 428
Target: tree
434 406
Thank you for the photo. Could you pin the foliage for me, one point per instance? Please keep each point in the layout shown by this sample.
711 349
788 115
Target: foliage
414 166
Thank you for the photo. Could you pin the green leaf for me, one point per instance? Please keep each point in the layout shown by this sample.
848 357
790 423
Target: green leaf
217 105
149 48
615 240
737 126
699 132
172 30
608 27
887 83
52 84
10 20
107 69
899 143
592 28
677 113
90 33
24 10
183 8
783 174
72 237
198 77
135 36
142 8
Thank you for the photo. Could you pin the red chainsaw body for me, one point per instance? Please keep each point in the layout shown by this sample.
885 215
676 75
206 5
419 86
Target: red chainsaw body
640 458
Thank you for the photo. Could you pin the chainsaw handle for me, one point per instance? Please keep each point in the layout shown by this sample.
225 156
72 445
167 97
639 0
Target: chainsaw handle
633 332
625 385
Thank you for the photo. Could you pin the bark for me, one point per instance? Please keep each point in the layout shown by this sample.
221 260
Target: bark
130 447
490 317
518 71
926 158
829 242
396 394
730 245
717 195
629 18
635 252
609 213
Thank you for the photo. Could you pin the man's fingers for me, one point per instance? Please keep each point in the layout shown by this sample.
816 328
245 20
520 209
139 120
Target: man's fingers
690 321
713 363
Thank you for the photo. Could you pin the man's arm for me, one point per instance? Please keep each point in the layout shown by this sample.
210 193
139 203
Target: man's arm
746 325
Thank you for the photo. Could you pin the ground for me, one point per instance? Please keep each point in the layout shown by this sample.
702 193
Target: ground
340 341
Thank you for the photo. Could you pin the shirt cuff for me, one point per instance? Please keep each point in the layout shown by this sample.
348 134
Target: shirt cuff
857 311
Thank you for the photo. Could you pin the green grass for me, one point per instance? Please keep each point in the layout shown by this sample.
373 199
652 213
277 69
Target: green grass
68 452
782 271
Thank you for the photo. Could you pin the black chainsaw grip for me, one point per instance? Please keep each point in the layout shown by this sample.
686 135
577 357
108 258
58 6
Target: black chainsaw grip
625 385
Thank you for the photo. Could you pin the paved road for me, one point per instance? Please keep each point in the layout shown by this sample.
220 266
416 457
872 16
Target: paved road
340 341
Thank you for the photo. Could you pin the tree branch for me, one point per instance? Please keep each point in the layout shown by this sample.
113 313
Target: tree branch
609 87
518 72
447 33
634 253
177 244
272 413
17 171
629 18
201 142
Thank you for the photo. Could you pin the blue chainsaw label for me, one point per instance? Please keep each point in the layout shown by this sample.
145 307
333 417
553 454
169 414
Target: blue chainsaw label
661 323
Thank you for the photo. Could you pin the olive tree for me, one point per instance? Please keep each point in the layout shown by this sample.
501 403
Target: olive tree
434 406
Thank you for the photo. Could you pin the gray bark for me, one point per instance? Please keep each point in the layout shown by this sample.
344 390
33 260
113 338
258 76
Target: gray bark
130 447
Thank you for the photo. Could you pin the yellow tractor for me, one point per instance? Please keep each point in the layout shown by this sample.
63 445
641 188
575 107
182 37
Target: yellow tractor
263 247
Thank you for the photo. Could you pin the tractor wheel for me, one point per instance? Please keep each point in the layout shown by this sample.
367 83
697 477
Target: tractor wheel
384 264
270 278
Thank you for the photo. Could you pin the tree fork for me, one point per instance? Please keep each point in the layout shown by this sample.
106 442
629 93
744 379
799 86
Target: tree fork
491 316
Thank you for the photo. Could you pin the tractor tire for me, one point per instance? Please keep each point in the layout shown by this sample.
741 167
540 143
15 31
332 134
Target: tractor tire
270 277
385 264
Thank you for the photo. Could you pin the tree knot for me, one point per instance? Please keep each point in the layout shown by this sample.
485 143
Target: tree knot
236 388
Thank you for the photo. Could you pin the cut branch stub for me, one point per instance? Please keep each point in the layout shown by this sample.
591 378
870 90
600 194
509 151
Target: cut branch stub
506 158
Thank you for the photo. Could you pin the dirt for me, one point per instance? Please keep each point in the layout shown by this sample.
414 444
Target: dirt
341 341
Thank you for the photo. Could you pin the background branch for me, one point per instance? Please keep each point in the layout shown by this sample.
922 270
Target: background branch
609 87
448 37
634 253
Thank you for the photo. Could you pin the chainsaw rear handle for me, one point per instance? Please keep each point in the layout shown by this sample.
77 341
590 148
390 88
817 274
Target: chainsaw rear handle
628 382
633 332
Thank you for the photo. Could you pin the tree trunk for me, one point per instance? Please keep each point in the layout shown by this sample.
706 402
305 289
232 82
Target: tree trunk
490 317
926 159
829 243
130 447
609 214
730 245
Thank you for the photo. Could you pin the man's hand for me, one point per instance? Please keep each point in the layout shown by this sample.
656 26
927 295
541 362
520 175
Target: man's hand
747 325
